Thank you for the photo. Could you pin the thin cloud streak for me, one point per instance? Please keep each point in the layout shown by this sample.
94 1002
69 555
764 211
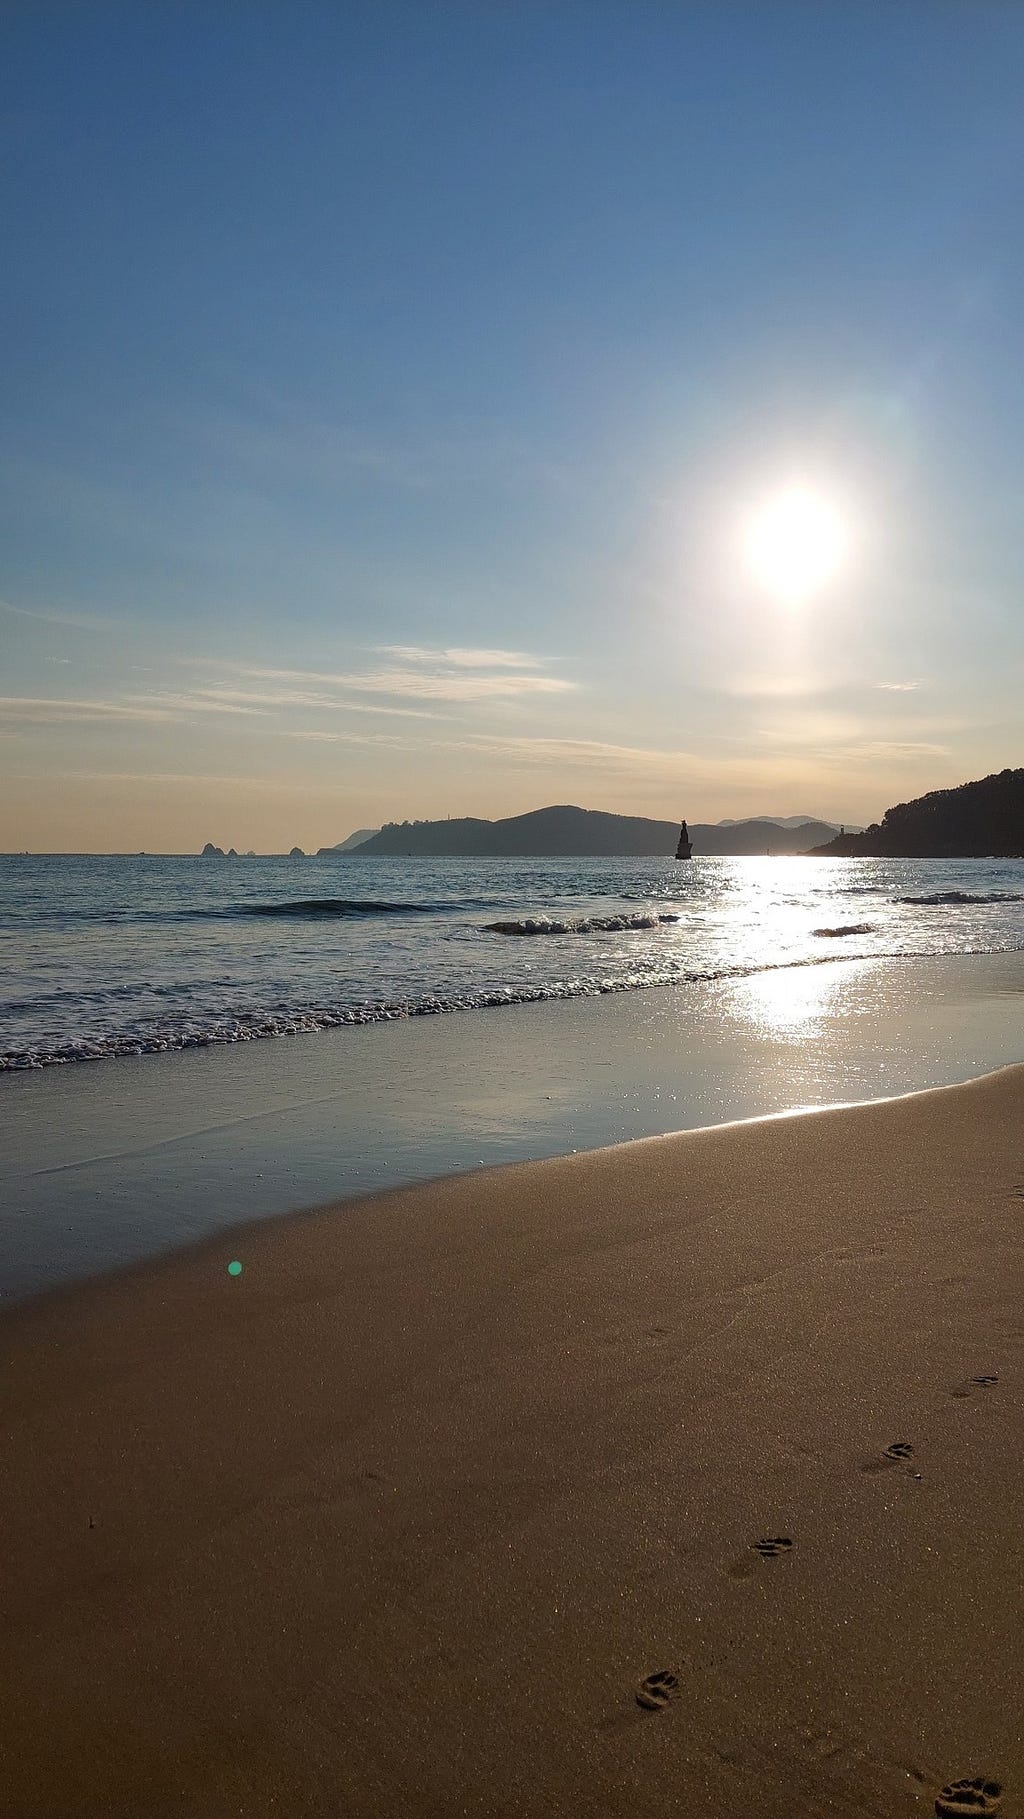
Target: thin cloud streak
459 658
417 684
194 703
572 751
334 701
82 622
269 699
905 748
393 740
285 786
45 710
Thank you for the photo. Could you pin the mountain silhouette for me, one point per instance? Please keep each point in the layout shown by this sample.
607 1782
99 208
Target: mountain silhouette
568 832
981 820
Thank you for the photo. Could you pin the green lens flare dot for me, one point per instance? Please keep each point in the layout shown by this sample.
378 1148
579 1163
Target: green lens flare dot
234 1269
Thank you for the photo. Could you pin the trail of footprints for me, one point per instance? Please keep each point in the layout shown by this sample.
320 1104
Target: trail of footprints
971 1797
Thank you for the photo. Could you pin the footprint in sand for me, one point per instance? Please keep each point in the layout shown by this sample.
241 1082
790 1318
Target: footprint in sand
898 1452
655 1691
972 1798
965 1389
772 1546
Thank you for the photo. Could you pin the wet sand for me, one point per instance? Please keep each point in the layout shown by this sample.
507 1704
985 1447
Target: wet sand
397 1520
107 1163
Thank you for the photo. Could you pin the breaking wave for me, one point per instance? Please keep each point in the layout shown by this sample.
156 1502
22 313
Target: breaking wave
577 925
253 1026
942 897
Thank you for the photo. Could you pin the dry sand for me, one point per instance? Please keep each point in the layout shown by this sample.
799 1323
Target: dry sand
395 1522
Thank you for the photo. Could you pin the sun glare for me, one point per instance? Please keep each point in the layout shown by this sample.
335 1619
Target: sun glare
796 543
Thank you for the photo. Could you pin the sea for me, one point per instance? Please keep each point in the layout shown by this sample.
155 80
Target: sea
131 956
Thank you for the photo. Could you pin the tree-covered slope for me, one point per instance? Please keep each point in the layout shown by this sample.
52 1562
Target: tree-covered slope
975 821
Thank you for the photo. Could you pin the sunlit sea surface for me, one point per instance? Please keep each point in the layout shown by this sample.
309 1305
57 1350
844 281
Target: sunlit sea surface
129 956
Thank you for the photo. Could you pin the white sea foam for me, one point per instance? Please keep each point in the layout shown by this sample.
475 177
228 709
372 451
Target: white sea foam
578 925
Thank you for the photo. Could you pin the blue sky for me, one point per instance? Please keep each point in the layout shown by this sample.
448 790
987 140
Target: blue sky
386 388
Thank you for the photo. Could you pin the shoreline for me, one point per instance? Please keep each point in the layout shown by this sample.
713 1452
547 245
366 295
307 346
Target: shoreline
514 999
231 1238
103 1167
235 1236
398 1519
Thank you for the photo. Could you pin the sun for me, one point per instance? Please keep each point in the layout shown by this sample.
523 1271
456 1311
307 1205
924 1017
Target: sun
796 543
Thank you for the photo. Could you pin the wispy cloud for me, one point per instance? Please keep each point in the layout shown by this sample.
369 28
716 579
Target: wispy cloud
899 688
574 752
44 710
850 754
459 658
192 703
905 748
86 622
420 683
393 740
268 701
297 698
287 786
377 707
458 675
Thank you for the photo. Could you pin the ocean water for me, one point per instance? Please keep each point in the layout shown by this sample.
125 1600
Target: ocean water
104 956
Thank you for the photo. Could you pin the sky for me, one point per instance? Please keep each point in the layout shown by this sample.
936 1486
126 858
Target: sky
389 391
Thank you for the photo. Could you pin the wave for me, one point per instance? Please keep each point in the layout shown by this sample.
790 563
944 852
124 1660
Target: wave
847 928
317 907
306 908
252 1026
577 925
959 897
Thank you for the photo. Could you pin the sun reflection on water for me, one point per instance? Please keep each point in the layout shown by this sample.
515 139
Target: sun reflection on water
771 908
797 1001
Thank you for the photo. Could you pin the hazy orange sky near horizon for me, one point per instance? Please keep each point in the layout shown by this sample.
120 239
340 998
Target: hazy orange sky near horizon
395 396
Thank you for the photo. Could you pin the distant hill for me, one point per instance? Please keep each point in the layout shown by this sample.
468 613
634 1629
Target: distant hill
567 832
359 838
758 836
787 821
982 820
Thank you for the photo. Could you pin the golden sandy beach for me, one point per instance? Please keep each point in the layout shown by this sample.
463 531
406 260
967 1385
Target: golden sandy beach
397 1521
